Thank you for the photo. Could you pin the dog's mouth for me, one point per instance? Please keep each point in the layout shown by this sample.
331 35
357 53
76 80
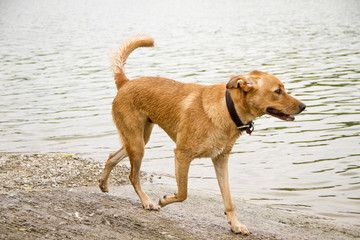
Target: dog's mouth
279 114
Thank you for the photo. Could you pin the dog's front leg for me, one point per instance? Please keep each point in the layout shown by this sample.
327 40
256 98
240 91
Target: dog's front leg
221 169
182 164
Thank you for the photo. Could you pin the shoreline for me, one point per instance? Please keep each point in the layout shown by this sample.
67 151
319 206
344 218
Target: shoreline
52 196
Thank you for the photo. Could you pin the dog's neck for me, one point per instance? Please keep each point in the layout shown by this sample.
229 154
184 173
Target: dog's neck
248 127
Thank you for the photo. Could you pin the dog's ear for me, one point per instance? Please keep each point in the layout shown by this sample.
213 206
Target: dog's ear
247 83
234 82
242 81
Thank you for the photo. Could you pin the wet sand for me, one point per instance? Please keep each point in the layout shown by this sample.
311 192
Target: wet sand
56 197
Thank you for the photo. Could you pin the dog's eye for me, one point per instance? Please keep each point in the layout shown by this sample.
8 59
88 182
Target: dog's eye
278 91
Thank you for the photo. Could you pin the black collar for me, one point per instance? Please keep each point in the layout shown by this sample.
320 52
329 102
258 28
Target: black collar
249 128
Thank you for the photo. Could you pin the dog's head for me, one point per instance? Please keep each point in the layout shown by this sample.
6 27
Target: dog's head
262 93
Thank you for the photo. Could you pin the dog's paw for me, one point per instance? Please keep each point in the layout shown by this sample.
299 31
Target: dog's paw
239 229
151 207
162 201
103 186
165 200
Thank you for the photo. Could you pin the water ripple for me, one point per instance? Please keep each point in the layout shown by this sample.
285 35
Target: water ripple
57 89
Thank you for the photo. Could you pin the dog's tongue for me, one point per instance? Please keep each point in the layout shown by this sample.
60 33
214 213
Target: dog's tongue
276 113
288 118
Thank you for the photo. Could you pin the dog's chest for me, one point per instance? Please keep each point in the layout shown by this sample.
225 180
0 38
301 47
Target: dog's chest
218 145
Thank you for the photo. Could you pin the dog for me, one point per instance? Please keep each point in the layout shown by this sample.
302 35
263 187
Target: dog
203 121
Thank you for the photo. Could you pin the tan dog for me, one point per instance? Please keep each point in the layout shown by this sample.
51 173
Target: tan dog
196 117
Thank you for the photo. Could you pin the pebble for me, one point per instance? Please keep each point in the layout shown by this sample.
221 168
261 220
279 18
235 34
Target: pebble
39 171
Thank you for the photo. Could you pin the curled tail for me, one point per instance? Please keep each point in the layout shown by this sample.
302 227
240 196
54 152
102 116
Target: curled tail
121 54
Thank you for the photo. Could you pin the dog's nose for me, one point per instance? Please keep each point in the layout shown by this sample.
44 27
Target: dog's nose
302 107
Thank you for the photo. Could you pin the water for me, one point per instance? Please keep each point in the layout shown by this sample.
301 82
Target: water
57 89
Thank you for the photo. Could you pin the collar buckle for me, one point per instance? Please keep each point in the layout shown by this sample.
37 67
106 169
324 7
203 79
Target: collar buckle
249 128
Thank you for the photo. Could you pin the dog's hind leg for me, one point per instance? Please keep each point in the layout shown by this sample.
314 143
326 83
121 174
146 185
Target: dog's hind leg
136 153
182 164
114 158
134 142
147 131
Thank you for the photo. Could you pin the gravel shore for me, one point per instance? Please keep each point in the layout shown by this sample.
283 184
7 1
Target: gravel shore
55 196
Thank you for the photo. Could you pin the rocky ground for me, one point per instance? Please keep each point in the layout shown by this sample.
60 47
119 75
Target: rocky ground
56 197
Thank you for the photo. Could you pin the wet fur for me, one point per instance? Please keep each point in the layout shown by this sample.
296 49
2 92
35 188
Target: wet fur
194 116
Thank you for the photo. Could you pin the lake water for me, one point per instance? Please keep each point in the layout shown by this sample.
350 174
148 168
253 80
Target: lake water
57 89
